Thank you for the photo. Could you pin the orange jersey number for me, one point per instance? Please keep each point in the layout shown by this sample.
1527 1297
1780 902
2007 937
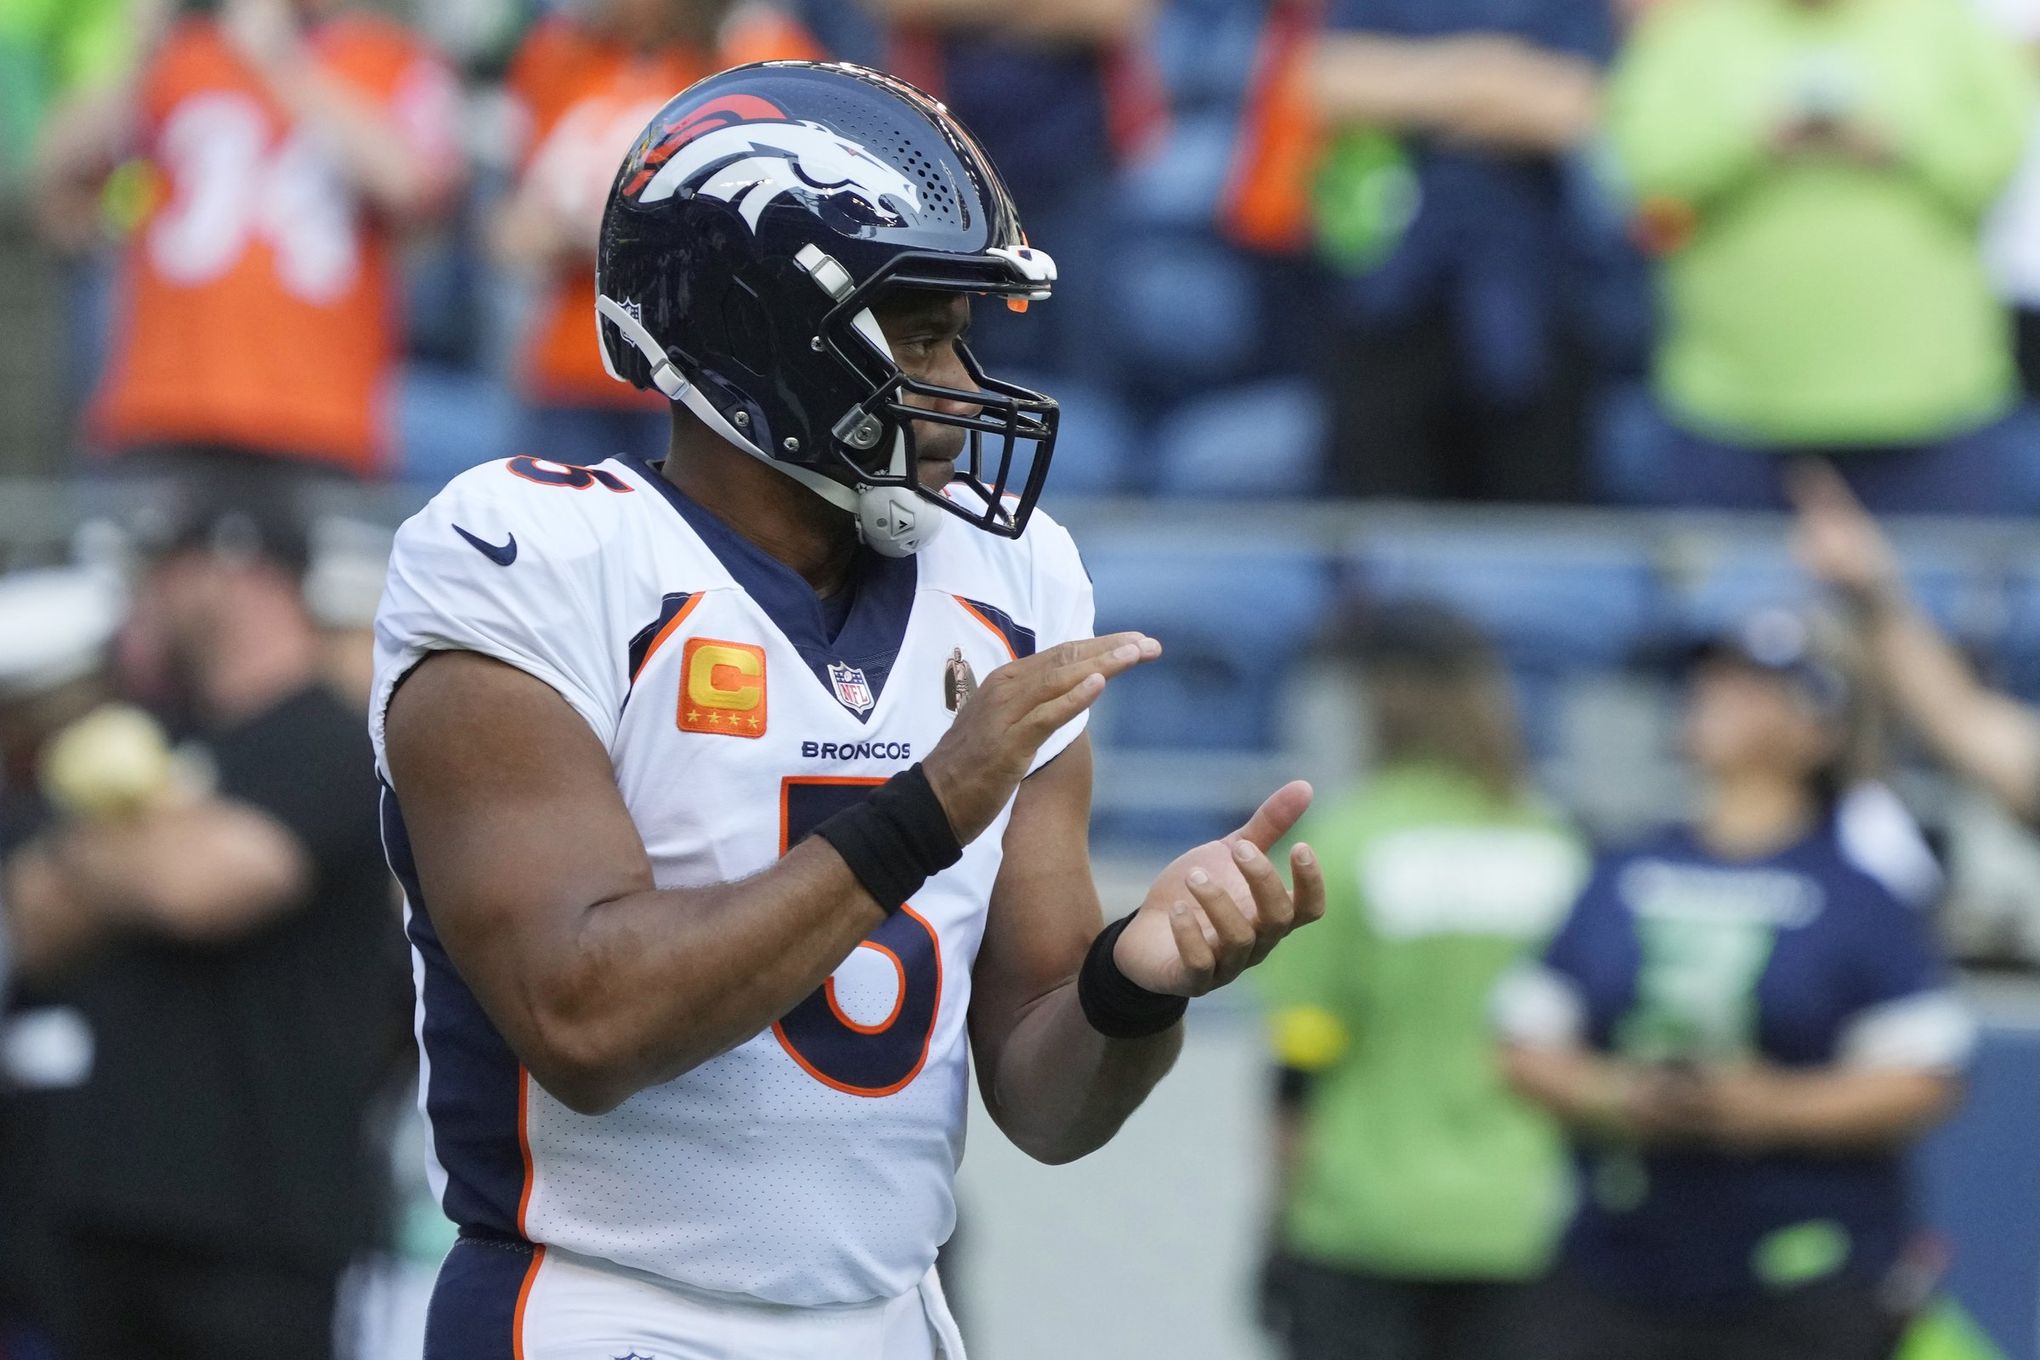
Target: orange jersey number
883 1056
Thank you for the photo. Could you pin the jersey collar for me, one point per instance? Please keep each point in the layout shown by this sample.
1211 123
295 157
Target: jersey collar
871 637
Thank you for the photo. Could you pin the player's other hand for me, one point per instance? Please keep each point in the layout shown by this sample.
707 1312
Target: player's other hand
1222 908
981 760
1836 539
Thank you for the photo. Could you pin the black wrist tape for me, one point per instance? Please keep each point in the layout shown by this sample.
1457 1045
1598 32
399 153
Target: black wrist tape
895 840
1116 1006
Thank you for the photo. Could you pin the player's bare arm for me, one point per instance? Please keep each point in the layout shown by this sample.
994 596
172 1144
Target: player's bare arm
1056 1085
543 894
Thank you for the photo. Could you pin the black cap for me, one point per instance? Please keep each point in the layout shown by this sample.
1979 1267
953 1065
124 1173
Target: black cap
1415 634
248 529
1779 642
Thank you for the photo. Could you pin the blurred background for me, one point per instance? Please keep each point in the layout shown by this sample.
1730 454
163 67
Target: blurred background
1524 308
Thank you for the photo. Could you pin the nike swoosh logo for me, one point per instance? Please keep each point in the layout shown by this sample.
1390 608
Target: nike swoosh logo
502 556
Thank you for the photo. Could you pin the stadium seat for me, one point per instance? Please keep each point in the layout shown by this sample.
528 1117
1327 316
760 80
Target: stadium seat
2019 652
1190 311
440 280
1552 600
1262 440
1233 625
449 420
1556 603
1232 622
1730 579
1628 446
1204 49
1176 187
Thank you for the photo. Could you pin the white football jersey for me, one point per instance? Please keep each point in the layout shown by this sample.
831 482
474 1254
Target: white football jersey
814 1164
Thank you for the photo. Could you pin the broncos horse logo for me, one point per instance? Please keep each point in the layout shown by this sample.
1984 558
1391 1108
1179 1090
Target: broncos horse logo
751 165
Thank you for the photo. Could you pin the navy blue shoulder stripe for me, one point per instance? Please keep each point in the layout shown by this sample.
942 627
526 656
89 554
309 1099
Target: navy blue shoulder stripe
1019 640
654 634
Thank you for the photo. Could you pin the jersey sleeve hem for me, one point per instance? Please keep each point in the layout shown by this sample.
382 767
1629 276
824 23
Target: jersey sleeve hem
1930 1031
417 654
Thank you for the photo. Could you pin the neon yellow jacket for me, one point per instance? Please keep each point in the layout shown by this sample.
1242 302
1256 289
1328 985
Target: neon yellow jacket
1815 298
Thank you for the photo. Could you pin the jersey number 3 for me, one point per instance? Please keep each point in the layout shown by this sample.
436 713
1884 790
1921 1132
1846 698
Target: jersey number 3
862 1059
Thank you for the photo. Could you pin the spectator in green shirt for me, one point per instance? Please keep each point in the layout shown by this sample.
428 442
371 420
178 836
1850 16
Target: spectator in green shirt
1418 1197
49 48
1814 175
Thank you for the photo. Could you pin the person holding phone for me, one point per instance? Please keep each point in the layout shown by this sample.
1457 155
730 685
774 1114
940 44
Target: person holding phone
287 144
1812 177
1745 1023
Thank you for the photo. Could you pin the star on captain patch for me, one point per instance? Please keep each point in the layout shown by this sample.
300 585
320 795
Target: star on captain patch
852 690
959 682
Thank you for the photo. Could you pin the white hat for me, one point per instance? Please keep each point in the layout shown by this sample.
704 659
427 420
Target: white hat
55 627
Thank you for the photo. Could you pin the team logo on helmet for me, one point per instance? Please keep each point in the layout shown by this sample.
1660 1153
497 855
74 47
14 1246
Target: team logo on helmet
752 165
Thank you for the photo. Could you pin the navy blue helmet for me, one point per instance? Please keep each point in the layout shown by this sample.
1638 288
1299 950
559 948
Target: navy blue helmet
749 232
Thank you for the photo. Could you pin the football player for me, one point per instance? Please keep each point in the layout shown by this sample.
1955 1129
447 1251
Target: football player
738 797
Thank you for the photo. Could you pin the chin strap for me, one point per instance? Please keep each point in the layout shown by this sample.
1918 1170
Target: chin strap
891 520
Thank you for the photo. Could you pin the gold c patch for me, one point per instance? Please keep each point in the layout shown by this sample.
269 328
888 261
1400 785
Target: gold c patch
722 688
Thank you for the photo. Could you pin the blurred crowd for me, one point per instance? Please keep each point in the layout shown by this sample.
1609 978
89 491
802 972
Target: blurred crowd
1535 250
1535 1100
1654 1101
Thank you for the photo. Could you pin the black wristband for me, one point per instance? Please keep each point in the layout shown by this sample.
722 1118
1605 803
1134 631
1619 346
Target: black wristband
896 839
1116 1006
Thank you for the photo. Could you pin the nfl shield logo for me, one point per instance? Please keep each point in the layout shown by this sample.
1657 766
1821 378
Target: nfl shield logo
851 688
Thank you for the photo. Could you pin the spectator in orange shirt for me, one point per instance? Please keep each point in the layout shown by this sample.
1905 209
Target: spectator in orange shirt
286 143
587 85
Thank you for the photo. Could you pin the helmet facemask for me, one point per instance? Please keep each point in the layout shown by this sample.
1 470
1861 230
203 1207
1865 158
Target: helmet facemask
1009 439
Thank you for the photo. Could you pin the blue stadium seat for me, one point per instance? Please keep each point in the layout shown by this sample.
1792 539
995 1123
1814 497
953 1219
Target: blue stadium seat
1176 187
1190 311
2019 651
1628 446
441 276
449 420
1552 600
1739 579
1159 834
1204 48
1266 439
1557 604
1232 625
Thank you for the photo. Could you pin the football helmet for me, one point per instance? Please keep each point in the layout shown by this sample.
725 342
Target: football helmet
749 232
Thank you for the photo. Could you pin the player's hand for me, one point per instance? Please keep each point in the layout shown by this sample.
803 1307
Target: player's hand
986 753
1836 539
1222 908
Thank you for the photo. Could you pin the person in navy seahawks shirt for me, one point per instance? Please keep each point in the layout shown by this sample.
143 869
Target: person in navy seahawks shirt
1745 1023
